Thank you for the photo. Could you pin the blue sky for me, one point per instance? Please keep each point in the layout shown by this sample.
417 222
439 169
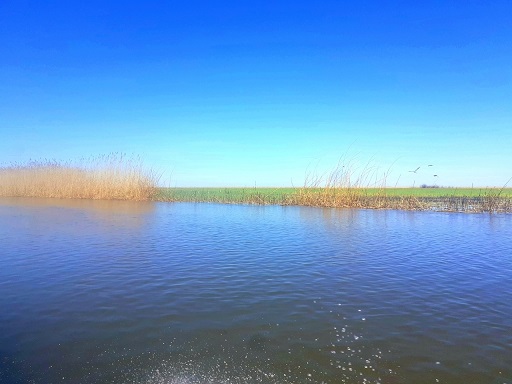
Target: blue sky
220 93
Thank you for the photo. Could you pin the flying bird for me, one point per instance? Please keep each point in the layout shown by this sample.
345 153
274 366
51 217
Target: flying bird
416 170
430 165
435 176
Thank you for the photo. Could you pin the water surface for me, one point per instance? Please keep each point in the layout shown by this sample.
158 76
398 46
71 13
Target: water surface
121 292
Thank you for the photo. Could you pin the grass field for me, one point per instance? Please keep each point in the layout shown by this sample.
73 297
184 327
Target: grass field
443 192
227 195
277 195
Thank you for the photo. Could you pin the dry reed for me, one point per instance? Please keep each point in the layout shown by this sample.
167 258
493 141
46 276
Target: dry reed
112 176
347 186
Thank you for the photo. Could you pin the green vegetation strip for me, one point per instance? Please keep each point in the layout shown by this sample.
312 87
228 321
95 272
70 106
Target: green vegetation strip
267 196
282 195
442 192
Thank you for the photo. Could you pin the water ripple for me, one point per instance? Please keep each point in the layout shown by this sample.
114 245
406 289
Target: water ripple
202 293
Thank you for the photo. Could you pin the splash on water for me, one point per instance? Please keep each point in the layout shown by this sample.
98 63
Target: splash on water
339 355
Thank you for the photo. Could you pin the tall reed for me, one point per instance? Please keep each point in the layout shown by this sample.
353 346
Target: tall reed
351 186
112 176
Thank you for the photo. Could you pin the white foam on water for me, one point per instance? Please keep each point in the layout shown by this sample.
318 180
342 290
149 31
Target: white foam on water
341 355
171 376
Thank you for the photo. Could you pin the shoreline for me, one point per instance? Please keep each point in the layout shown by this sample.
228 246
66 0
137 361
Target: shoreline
493 200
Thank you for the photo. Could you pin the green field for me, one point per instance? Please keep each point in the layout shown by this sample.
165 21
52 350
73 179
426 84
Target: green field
228 195
281 195
443 192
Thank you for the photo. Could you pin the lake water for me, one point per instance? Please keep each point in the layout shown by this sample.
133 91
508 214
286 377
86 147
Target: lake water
121 292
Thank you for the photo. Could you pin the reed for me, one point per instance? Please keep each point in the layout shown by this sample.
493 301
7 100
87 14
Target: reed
350 186
112 176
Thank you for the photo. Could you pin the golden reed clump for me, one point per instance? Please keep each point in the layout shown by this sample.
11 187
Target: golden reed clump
113 177
352 186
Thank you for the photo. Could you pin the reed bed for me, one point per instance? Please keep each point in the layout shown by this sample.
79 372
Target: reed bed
348 186
114 177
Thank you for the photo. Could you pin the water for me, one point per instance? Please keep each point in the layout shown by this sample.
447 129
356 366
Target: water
153 293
